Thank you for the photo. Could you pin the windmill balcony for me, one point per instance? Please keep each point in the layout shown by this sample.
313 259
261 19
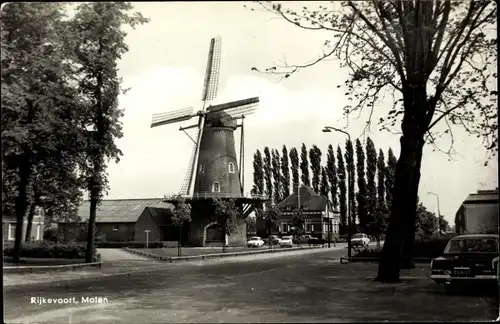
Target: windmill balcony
207 195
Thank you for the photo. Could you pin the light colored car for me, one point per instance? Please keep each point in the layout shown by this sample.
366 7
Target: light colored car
286 241
360 239
305 238
255 241
274 239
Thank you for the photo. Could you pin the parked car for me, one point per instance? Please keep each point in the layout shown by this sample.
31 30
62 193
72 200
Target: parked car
273 240
360 239
303 239
471 258
286 241
255 241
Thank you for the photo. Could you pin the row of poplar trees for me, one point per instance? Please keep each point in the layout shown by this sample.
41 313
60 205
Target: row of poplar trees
60 115
277 174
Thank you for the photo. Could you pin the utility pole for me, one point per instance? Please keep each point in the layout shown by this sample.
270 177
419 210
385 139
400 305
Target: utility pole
439 212
328 129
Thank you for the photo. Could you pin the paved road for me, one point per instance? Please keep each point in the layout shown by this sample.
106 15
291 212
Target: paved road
307 287
118 255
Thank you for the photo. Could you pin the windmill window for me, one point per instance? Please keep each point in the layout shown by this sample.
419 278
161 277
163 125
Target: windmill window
216 187
115 228
231 167
202 168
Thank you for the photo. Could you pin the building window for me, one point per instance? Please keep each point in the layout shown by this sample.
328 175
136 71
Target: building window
11 232
312 227
231 167
216 187
285 228
38 230
202 168
115 228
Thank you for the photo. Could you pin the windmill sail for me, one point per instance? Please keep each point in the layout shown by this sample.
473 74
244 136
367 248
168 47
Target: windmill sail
186 184
172 117
212 73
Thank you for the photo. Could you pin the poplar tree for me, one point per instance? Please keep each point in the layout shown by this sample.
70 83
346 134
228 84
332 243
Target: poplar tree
304 166
331 170
294 166
341 172
315 159
285 173
361 194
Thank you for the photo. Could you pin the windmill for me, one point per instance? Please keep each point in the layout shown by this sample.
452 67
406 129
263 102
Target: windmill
214 170
218 116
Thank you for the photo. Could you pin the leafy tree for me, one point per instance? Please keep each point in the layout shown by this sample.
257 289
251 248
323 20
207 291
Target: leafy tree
349 158
341 172
298 221
180 216
270 216
285 173
390 172
226 214
276 176
426 223
99 46
304 166
55 188
268 174
258 173
361 194
435 58
443 224
251 224
332 176
294 165
41 114
315 158
371 189
324 188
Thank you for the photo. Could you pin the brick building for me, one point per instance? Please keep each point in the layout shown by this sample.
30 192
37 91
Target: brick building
478 213
127 219
9 224
317 210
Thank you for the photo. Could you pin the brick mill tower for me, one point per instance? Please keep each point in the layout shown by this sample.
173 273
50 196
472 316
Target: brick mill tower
213 170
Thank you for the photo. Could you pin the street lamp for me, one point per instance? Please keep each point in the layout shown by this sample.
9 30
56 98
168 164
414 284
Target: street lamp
439 211
328 129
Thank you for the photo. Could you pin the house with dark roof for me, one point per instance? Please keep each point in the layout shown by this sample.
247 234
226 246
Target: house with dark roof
317 210
128 219
478 213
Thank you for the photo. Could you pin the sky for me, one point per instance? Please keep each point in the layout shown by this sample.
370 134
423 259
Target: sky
165 67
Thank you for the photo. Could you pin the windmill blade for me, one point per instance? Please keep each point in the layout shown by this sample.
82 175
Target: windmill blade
172 117
238 113
211 84
233 104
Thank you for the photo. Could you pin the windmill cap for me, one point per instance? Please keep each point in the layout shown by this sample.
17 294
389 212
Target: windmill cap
221 119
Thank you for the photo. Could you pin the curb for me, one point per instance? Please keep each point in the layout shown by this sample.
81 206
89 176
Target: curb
62 267
215 255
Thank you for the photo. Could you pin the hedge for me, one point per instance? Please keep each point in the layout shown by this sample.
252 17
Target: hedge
132 244
46 249
425 247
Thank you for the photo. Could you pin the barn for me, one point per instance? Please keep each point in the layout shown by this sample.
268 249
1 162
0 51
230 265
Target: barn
121 220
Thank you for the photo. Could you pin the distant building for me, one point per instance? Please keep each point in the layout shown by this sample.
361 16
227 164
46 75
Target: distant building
317 210
478 213
9 224
127 219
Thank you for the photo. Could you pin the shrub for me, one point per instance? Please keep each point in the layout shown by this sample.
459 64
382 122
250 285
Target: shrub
131 244
46 249
425 247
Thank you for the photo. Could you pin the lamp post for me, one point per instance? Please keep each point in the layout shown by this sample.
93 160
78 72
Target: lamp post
439 211
328 129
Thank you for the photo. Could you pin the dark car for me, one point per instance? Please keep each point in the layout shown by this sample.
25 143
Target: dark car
467 259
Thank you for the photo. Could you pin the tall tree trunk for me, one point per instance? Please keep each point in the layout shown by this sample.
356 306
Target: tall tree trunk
391 257
409 237
29 224
402 221
179 242
91 228
21 203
